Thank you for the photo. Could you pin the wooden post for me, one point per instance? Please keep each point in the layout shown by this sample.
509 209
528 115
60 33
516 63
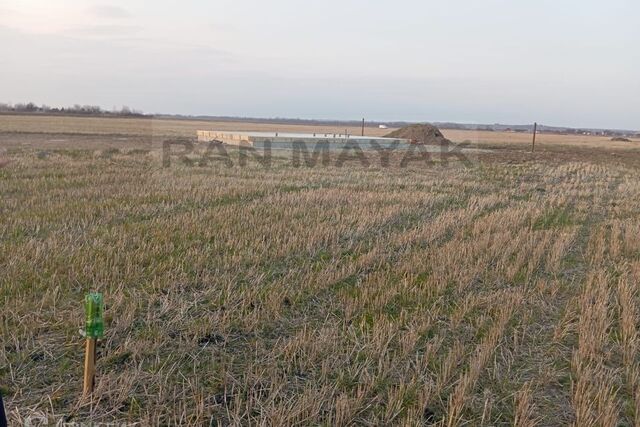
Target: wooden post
362 127
533 143
89 366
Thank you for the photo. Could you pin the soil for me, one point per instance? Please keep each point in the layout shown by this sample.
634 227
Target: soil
421 134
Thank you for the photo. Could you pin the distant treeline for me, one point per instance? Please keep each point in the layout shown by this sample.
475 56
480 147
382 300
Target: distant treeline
496 127
280 120
94 110
77 109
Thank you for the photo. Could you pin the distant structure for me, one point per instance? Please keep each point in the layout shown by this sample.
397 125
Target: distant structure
383 127
277 140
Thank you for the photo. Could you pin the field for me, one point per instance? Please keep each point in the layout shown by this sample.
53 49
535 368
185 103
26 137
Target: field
500 291
60 132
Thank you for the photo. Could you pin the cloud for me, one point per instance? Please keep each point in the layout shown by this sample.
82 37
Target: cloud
109 12
108 31
4 11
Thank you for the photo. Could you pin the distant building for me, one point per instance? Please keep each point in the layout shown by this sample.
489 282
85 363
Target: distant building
383 127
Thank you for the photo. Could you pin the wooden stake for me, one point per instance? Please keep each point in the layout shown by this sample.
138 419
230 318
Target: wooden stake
533 143
89 366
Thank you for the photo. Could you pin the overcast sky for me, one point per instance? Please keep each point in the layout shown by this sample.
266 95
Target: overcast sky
561 62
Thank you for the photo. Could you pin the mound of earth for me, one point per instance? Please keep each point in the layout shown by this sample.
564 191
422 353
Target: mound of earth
620 139
420 134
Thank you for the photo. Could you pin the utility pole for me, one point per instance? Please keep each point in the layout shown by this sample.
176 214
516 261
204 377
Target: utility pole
533 143
362 127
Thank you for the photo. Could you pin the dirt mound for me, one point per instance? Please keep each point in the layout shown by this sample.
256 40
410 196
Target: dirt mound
420 134
620 139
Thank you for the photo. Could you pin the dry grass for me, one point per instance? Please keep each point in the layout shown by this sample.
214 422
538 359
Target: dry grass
60 131
148 126
501 294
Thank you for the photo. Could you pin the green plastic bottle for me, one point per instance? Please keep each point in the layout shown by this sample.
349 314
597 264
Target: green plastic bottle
93 307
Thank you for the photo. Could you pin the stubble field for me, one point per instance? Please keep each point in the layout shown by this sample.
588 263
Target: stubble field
500 292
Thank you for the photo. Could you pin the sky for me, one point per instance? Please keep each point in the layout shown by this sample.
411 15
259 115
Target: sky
562 62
